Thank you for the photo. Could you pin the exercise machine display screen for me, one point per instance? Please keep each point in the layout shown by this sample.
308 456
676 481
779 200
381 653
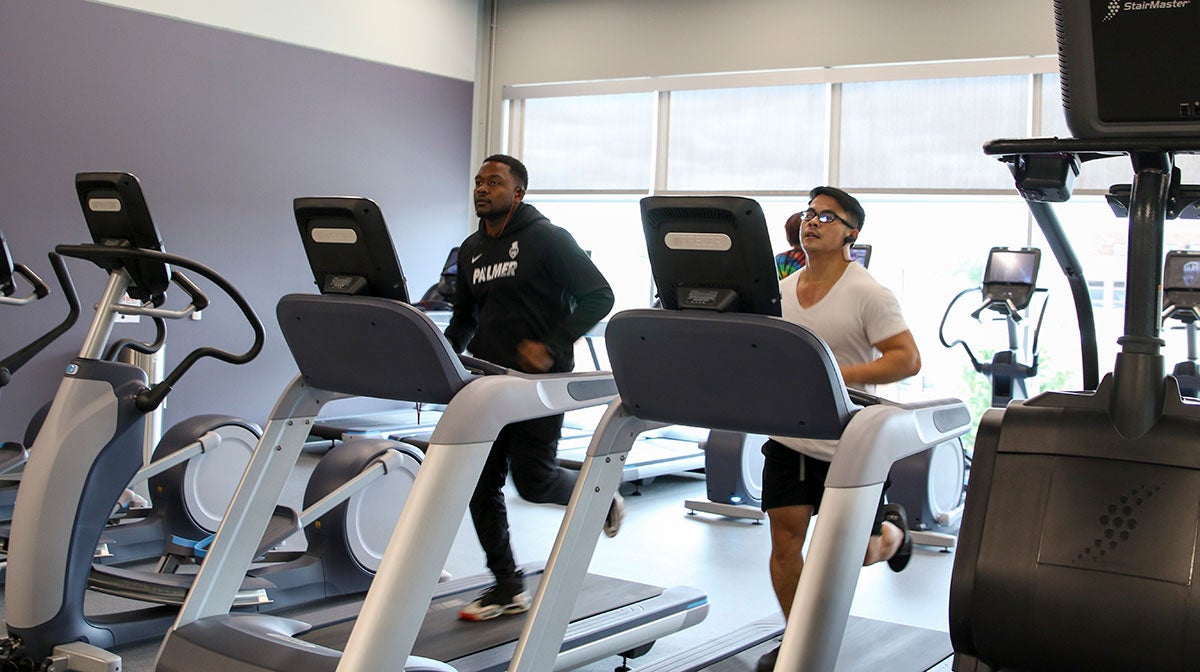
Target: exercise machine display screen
1124 67
1011 267
861 253
1182 270
1181 280
1011 275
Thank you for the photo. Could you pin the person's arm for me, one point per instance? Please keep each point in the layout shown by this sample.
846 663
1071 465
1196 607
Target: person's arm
587 287
898 360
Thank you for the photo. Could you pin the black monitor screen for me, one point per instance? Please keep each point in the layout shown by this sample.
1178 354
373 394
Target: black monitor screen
861 253
349 248
117 216
1012 267
711 253
1116 60
1182 270
451 265
1008 280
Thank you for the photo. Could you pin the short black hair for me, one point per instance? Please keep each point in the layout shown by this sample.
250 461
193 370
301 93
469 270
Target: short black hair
514 166
849 203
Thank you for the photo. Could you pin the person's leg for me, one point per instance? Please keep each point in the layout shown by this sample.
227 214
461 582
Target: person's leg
789 529
490 516
792 489
533 457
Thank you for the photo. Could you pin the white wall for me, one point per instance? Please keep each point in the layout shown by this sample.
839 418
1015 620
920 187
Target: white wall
568 40
541 41
434 36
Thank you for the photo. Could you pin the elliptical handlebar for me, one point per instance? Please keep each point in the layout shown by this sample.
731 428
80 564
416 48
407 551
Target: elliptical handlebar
942 328
40 289
1009 308
152 397
160 338
197 298
15 361
1010 312
1037 330
1184 314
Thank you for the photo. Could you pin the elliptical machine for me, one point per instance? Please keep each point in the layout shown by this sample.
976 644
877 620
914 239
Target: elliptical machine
935 503
1008 288
1181 301
12 454
90 446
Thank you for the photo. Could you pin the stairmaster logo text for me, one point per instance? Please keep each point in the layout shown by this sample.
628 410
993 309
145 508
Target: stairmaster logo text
1115 7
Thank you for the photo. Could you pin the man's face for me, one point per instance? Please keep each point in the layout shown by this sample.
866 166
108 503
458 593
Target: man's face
496 190
818 236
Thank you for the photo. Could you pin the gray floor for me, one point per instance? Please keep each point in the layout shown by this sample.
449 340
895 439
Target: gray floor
661 544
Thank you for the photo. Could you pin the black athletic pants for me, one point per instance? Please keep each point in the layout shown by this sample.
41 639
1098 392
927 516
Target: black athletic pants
530 449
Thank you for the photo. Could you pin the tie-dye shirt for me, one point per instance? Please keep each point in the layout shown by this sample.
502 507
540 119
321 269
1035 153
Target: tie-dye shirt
789 262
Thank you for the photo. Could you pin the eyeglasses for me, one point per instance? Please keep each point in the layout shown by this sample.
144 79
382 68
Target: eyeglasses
824 217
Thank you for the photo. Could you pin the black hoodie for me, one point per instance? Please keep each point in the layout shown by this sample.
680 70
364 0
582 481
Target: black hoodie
531 282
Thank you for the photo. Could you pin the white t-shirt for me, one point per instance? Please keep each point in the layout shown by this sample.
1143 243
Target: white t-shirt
856 313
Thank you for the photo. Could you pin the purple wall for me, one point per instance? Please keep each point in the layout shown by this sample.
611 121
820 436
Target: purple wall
223 130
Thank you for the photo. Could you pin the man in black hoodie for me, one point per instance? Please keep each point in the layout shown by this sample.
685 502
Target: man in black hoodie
526 292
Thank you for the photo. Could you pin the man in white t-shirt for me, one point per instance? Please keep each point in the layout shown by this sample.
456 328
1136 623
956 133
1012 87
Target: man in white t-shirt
860 320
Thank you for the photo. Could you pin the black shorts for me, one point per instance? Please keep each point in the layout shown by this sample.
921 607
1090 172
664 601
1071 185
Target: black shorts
791 478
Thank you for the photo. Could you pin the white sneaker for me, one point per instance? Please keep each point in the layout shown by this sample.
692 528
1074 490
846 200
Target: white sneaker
497 601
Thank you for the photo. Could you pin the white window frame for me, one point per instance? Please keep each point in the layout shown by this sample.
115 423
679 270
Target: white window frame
1035 67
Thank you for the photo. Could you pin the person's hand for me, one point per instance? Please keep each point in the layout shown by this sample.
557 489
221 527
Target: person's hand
534 356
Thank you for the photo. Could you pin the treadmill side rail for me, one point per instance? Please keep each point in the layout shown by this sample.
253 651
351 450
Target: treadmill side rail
876 437
577 537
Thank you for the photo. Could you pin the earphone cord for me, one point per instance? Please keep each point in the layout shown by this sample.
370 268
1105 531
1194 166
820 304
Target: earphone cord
511 209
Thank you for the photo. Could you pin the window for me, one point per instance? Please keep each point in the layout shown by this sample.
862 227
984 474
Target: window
609 228
929 133
589 142
910 149
1096 293
747 139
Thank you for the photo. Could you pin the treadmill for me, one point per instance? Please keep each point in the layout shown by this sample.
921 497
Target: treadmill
669 450
703 359
385 348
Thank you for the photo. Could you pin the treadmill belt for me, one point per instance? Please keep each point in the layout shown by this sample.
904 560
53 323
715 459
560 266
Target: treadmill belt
445 637
869 646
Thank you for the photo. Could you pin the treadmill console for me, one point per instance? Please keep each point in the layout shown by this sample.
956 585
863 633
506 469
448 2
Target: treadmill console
349 248
711 253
